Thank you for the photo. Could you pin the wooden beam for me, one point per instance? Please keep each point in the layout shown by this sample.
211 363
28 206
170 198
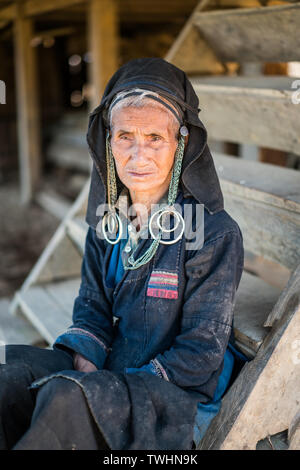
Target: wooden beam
56 32
278 311
103 44
191 52
246 110
294 432
36 7
254 300
267 34
264 199
265 396
48 316
8 13
28 118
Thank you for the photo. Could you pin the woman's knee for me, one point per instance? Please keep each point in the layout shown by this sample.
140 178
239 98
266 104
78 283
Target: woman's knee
15 379
59 395
41 361
61 419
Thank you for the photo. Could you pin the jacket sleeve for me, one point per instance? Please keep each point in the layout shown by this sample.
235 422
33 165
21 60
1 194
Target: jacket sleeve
91 331
213 275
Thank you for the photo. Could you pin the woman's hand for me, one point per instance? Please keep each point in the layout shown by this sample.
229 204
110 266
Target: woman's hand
82 364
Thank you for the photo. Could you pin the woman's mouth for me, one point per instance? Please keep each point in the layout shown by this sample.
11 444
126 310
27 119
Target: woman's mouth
139 174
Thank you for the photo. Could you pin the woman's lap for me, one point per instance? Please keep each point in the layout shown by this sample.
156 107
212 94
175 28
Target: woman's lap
58 408
23 365
61 420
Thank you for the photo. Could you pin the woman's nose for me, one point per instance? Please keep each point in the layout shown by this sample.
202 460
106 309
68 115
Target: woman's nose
139 151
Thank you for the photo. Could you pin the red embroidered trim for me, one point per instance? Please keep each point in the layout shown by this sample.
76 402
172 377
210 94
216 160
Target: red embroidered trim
159 368
163 293
87 333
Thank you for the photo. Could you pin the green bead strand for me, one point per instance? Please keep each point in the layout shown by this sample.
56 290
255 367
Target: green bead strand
172 194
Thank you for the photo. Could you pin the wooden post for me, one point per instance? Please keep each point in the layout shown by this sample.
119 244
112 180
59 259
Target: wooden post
28 122
103 45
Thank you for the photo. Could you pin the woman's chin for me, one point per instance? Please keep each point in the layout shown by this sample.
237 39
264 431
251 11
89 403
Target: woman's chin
141 184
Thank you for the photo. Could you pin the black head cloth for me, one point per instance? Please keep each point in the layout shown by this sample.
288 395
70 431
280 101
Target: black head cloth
198 176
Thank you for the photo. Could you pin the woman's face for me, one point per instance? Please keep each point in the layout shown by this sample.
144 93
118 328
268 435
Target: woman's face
143 143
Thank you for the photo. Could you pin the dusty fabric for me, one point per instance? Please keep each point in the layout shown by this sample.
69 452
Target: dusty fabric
24 364
135 411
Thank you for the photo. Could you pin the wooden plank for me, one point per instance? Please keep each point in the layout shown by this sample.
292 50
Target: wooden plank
270 221
64 293
15 329
263 182
247 111
254 301
77 230
265 396
102 34
42 271
53 203
8 13
36 7
248 352
291 289
294 432
69 156
28 119
57 32
64 261
65 135
44 313
273 273
191 52
267 34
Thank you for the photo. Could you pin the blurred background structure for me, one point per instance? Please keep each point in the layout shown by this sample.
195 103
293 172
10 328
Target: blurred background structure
243 57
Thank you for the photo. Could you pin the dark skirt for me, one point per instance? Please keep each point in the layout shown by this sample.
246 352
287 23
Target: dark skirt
46 404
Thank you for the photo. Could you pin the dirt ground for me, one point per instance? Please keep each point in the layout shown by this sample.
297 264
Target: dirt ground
24 233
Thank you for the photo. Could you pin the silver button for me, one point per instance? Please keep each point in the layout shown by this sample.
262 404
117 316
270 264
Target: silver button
127 249
129 228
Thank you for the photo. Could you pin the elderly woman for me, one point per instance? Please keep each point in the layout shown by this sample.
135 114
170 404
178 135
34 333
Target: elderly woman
151 349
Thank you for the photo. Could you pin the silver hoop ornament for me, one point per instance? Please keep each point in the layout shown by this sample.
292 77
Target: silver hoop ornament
178 218
113 219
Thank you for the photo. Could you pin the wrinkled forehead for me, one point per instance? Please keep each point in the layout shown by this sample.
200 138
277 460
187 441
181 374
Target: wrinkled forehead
147 120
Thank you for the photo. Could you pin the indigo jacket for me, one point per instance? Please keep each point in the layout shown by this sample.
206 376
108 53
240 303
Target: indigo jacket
181 327
159 336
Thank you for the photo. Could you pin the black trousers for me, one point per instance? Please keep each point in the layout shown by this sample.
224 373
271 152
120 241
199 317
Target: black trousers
54 417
